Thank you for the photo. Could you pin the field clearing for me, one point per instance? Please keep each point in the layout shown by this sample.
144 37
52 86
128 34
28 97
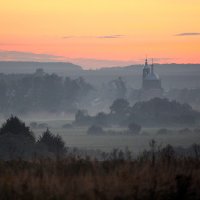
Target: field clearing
78 137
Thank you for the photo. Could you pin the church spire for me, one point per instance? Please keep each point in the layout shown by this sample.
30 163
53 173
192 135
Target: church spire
146 62
152 67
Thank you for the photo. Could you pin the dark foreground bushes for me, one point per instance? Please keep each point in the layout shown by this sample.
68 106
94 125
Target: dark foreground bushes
117 179
18 141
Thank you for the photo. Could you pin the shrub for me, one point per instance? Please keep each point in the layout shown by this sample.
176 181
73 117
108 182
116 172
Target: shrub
120 107
95 130
54 143
134 128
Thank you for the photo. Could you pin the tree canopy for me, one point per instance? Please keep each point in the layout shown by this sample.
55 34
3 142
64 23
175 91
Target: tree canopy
156 111
41 92
14 125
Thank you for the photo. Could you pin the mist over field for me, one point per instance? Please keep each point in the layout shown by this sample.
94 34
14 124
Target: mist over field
69 100
136 128
99 127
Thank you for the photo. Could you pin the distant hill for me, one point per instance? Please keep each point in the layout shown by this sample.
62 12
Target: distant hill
8 67
162 69
172 75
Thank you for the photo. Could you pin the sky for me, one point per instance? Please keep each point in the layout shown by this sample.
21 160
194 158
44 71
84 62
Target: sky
100 33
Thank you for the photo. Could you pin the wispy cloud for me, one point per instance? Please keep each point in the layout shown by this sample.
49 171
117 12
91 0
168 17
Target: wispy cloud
69 37
95 37
188 34
110 36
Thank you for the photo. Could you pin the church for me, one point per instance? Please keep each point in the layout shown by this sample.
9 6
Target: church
151 83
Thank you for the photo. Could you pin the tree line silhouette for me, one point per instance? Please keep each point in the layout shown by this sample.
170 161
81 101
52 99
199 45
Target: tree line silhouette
18 141
155 112
40 92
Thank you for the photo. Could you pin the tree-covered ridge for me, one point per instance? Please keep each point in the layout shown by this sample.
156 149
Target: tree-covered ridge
40 92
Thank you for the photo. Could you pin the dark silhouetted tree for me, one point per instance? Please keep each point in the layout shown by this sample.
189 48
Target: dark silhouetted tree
54 143
163 112
14 125
120 107
82 118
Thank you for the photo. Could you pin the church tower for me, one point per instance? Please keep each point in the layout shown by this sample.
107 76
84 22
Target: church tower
146 69
151 82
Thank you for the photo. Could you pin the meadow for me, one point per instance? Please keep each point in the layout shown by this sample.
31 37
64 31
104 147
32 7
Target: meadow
77 137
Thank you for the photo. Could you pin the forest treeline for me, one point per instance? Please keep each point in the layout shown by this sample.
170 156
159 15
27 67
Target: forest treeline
155 112
43 92
40 92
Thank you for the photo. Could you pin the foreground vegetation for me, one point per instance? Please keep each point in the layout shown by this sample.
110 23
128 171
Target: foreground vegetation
45 169
18 141
148 177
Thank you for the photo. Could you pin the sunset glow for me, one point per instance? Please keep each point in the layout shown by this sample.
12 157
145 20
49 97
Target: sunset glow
103 29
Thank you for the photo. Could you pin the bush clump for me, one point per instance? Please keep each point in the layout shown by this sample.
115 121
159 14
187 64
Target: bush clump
95 130
53 143
134 128
18 141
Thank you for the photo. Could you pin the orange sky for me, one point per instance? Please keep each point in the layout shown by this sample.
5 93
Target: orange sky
123 30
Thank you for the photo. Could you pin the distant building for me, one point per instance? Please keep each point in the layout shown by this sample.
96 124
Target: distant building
151 83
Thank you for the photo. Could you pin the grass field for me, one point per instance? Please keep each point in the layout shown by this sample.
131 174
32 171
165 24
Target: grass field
78 137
